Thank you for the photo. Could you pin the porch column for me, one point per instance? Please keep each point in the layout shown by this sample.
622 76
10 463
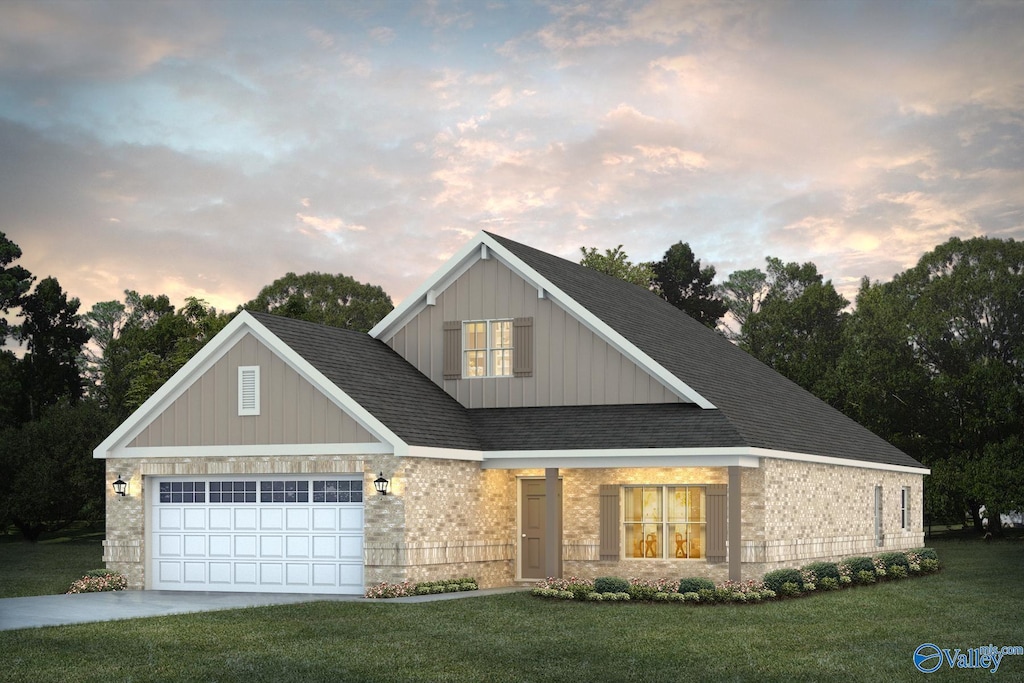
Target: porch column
553 524
735 525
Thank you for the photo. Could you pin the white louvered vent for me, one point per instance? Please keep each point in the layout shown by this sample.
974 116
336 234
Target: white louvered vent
249 390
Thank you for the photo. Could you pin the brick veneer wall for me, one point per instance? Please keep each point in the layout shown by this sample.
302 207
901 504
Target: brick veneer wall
459 520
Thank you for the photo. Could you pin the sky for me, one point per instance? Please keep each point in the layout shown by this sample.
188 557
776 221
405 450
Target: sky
207 148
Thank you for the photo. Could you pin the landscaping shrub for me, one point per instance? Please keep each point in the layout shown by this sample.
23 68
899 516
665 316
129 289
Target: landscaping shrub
773 580
894 558
926 553
696 584
99 581
864 576
824 569
830 584
858 564
642 592
897 571
929 565
610 584
789 588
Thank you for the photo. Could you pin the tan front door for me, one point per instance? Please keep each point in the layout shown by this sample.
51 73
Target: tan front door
532 549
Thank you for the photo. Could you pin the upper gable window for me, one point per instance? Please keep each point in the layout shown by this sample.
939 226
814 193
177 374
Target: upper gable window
487 348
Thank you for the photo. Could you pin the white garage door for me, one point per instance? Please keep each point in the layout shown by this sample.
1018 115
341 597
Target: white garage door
257 534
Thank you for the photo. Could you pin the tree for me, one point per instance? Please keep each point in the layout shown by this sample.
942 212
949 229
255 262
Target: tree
680 280
616 263
335 300
142 343
964 324
743 293
48 477
54 334
798 328
15 282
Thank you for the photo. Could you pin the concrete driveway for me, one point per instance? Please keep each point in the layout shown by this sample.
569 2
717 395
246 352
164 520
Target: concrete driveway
58 610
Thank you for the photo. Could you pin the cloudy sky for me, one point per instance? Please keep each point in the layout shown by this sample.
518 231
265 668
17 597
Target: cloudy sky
207 148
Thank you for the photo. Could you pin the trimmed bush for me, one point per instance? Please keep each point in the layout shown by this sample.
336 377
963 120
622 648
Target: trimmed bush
695 584
789 588
830 584
610 584
774 580
929 565
824 570
864 576
641 592
926 553
858 564
897 571
894 558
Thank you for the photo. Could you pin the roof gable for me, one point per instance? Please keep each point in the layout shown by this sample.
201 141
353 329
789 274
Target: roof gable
208 357
486 246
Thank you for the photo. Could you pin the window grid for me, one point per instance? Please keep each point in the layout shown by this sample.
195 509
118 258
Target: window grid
276 491
487 348
665 521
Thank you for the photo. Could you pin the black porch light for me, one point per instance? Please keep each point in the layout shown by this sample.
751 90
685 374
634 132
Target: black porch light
381 484
120 485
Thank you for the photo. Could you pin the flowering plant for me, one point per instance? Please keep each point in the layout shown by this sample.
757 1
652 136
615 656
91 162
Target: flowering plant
99 581
390 590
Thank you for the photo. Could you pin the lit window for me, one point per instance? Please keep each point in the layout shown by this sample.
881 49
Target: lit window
664 522
487 348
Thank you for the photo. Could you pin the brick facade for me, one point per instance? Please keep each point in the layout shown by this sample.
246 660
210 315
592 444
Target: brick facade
447 518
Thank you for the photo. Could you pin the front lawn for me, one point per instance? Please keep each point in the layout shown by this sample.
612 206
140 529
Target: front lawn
50 565
856 634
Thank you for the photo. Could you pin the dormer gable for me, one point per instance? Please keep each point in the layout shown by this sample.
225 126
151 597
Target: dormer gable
493 332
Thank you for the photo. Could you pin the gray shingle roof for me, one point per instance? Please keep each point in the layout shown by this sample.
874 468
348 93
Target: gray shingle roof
765 409
379 380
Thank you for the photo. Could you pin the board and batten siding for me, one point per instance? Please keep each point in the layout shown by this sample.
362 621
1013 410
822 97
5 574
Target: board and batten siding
571 364
292 411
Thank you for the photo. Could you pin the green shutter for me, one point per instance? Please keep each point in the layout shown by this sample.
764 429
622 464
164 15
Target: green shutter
522 347
452 343
718 518
609 522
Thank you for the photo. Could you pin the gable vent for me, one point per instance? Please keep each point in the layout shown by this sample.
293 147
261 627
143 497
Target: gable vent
249 390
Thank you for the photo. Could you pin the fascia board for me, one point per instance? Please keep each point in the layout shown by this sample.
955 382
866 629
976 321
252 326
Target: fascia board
262 450
439 281
212 352
670 457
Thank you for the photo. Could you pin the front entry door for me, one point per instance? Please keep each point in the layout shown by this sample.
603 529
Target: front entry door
532 549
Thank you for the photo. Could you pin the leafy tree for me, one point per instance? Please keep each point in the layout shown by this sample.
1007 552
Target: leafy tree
798 328
335 300
142 343
680 280
964 324
615 262
48 477
54 335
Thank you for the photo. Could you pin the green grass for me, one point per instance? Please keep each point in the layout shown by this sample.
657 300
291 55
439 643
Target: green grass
50 565
856 634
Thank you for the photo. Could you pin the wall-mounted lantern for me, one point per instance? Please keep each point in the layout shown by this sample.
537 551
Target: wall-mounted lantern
381 484
120 485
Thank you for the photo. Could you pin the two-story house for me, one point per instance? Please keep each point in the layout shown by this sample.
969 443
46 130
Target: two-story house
531 418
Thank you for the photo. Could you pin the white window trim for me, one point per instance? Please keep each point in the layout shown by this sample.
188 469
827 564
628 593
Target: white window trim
905 508
248 382
488 349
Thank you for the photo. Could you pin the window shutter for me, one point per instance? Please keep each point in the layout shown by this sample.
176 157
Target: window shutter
522 347
452 349
249 390
718 518
609 522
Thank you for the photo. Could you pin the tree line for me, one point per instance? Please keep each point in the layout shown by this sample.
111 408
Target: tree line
932 361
